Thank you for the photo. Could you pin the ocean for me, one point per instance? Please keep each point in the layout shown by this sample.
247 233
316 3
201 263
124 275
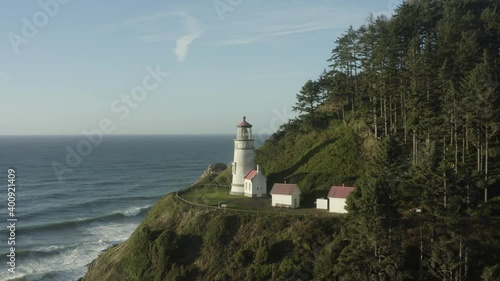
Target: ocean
64 222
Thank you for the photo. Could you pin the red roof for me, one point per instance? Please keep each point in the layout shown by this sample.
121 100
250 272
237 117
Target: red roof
340 191
244 123
283 188
251 174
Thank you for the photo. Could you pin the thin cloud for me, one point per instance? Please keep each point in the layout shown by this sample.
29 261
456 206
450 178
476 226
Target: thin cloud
193 32
253 28
242 41
158 27
270 34
111 27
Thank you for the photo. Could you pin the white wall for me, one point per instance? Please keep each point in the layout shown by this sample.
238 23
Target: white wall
292 200
296 198
259 185
337 205
322 203
255 187
281 199
247 188
244 157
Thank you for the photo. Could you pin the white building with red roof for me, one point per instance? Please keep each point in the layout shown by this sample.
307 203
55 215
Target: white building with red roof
285 195
255 183
337 197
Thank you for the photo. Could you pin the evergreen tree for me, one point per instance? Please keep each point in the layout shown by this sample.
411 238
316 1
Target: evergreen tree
308 100
424 84
373 217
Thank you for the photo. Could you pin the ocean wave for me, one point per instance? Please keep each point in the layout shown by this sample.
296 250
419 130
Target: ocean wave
38 277
42 251
130 212
56 263
86 204
134 211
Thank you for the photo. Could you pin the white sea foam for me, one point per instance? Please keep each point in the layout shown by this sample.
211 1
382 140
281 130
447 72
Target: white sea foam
134 211
70 264
50 248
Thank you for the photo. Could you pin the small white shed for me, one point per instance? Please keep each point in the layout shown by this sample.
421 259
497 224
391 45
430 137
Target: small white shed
254 184
322 203
285 195
337 197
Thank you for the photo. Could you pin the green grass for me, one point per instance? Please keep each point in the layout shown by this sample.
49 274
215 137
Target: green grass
211 196
316 159
313 159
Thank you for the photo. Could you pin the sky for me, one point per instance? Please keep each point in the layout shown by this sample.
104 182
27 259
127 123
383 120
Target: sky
163 67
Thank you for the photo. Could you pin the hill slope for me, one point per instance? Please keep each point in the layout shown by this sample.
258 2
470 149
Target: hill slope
179 242
317 159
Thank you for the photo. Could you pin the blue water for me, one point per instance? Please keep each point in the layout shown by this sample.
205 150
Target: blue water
64 223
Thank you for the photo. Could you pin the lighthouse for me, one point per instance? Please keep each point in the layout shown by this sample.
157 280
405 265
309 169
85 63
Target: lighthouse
244 156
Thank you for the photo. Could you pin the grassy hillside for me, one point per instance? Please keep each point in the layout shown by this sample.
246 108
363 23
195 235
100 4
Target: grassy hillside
178 242
316 159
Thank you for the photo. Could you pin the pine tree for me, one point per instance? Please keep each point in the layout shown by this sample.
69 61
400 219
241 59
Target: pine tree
308 100
374 217
482 100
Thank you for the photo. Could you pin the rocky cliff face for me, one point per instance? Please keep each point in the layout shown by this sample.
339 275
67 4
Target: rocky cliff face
212 170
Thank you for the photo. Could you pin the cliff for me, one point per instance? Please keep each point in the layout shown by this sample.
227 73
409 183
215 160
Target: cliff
180 242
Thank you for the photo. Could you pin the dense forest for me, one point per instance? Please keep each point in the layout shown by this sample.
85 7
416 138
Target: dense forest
426 84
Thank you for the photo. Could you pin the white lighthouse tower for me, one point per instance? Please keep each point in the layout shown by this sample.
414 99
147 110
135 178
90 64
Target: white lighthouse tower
244 156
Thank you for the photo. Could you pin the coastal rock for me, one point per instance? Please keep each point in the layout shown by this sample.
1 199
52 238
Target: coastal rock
213 169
